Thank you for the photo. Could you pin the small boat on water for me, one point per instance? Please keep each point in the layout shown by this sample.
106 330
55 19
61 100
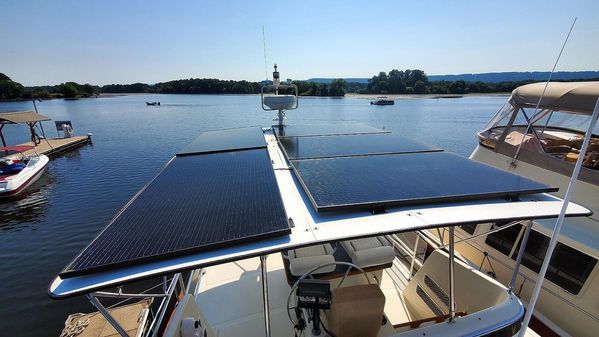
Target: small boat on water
383 100
16 174
152 103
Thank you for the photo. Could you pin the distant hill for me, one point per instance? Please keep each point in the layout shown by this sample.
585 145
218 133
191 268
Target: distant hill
329 80
491 77
517 76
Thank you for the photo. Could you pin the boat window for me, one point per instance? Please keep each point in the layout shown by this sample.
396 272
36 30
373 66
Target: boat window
505 239
470 228
569 268
567 120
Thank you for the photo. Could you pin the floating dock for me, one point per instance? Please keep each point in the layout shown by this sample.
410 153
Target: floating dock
45 146
51 146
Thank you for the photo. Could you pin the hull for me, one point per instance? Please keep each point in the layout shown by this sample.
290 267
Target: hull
24 179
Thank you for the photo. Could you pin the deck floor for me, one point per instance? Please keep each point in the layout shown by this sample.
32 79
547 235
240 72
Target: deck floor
50 146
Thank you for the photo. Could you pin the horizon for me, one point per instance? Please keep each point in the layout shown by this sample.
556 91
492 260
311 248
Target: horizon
109 42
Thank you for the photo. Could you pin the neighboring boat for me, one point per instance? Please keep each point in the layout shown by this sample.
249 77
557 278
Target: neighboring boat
18 173
383 100
152 103
240 220
568 300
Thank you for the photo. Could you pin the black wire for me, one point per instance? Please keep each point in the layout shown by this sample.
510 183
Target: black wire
326 330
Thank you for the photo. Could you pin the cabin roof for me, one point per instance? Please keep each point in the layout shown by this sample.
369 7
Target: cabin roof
576 97
21 117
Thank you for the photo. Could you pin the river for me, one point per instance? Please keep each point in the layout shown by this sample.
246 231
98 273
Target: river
43 229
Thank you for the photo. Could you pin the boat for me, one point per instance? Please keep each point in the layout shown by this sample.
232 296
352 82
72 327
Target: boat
383 100
538 134
19 172
152 103
304 230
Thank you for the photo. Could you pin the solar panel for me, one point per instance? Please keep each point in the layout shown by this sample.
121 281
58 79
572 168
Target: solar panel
350 145
196 203
377 182
226 140
324 130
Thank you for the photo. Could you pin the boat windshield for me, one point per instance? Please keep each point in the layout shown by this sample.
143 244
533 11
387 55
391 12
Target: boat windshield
556 133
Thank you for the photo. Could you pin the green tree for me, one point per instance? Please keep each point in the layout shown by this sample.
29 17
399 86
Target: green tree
68 89
338 87
11 90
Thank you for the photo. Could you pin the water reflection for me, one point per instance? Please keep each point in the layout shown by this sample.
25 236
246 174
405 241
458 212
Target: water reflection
27 208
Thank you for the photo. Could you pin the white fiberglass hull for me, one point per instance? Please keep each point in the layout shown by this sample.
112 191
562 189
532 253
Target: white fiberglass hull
13 185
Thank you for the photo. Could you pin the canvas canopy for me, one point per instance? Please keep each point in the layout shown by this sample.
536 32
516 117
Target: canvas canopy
21 117
576 97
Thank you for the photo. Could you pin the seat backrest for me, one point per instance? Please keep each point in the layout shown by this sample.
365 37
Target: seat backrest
356 311
187 307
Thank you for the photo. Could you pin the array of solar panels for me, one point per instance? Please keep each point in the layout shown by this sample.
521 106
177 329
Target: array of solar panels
354 166
218 191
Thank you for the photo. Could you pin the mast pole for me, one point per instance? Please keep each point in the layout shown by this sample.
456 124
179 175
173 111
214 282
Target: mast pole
451 275
560 222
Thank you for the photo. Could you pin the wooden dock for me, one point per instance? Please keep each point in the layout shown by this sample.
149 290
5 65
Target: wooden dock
52 146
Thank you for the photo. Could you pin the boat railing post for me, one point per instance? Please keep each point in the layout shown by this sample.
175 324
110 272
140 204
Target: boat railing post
414 256
264 279
451 275
520 255
96 303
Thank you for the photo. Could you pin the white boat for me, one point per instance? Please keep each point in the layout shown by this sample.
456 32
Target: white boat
247 235
19 172
546 152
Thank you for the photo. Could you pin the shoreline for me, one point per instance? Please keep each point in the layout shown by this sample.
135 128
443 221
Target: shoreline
348 95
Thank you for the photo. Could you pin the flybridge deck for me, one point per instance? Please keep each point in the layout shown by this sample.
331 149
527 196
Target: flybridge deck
231 195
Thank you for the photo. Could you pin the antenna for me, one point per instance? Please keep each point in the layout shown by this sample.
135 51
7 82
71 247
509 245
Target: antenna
513 163
265 64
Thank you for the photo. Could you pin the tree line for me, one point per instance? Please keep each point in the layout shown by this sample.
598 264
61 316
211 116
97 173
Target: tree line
409 81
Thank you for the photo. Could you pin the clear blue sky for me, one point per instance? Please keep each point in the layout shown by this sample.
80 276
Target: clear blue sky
101 42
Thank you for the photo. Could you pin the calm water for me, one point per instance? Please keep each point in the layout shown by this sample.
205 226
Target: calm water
49 224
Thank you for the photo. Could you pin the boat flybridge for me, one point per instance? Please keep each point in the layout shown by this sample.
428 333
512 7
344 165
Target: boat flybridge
303 230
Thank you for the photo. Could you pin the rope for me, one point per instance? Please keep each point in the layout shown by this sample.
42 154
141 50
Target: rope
75 329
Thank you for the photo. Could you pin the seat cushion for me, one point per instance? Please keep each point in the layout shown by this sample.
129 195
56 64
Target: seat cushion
302 260
356 311
369 252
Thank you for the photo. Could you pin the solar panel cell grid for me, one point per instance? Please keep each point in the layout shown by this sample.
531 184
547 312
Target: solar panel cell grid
196 203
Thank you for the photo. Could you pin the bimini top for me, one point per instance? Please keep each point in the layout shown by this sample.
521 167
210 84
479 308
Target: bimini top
576 97
240 197
21 117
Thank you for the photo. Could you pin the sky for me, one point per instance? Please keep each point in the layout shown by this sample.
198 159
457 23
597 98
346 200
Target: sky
102 42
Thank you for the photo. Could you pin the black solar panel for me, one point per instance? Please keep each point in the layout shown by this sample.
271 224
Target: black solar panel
196 203
402 179
324 130
226 140
350 145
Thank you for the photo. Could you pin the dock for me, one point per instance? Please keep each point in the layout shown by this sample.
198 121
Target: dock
51 146
40 144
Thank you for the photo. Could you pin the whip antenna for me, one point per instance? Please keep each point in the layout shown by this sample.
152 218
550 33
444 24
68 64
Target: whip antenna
265 64
513 163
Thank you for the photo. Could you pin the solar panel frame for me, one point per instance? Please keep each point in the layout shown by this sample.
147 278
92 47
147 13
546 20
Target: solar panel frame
233 139
299 148
312 130
131 243
314 181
